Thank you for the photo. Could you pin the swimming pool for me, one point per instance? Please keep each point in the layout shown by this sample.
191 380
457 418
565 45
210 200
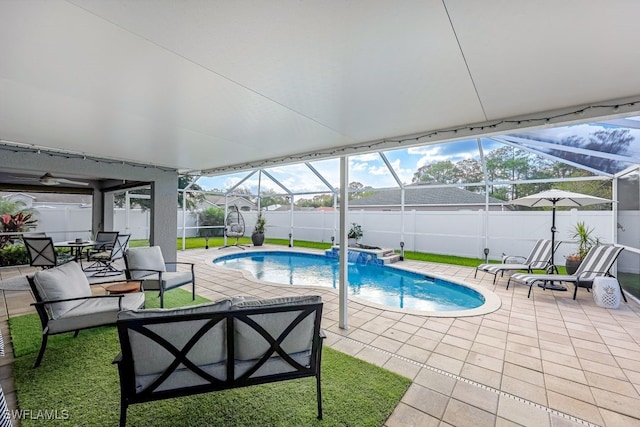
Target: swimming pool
387 286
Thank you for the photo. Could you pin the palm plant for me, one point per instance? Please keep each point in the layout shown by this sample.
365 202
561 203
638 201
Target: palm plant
582 233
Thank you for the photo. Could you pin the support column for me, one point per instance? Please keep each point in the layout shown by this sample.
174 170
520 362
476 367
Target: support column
164 215
108 212
343 299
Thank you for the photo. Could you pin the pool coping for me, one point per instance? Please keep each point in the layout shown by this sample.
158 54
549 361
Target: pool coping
492 301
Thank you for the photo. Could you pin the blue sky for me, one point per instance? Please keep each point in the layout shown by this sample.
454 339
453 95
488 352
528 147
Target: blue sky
370 170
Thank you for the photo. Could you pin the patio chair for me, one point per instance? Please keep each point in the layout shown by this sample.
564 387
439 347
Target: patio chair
104 241
538 259
64 303
597 263
234 228
103 260
148 265
42 253
34 234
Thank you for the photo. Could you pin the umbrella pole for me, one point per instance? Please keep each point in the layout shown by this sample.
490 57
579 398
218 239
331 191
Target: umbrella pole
553 285
553 234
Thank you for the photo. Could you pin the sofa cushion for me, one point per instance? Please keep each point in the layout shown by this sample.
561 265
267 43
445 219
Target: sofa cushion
95 312
151 358
145 259
249 344
170 280
65 281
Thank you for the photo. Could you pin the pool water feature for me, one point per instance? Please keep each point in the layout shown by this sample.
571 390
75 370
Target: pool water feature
387 286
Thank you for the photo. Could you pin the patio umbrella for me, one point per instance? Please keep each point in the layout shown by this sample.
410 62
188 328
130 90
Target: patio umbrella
555 198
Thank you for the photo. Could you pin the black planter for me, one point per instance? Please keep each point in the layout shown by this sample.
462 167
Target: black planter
572 265
257 239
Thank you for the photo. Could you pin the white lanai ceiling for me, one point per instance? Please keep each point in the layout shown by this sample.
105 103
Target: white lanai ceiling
205 85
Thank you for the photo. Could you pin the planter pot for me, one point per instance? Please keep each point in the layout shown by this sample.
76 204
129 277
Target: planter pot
572 265
257 239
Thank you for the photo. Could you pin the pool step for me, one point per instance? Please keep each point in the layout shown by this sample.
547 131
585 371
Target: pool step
389 257
377 256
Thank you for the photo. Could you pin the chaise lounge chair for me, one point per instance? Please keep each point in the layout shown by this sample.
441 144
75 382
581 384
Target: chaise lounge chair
538 259
598 262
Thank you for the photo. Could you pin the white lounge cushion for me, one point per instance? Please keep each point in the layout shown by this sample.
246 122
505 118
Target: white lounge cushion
145 259
151 358
249 344
95 312
63 282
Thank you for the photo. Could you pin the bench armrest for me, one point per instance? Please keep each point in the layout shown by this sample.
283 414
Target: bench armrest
146 277
117 359
178 262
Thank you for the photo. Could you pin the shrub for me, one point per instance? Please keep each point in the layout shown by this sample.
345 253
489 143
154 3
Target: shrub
13 255
211 216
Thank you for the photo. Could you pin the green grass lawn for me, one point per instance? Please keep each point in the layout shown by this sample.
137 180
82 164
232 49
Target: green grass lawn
199 243
77 377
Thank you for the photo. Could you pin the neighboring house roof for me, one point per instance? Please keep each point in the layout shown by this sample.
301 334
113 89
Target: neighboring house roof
418 195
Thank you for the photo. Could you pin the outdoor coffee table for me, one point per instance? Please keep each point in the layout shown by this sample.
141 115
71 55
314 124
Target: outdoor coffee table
75 246
123 288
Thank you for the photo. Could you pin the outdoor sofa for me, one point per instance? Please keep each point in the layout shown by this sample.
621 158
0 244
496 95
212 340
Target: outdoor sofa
221 345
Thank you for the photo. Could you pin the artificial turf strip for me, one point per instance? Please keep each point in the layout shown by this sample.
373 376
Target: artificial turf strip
76 376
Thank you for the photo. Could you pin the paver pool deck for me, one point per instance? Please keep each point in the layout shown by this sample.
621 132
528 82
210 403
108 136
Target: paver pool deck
541 361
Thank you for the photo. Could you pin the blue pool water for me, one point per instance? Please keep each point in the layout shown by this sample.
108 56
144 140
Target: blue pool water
382 285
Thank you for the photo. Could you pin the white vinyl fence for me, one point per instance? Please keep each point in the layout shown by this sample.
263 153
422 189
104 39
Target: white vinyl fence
459 233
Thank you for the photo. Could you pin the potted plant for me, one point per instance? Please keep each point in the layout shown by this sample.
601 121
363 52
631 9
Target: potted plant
355 233
257 237
582 233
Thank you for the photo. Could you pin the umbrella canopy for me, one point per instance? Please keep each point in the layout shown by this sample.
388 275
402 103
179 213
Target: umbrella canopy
555 198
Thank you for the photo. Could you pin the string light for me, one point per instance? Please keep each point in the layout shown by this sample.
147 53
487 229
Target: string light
20 147
427 135
16 147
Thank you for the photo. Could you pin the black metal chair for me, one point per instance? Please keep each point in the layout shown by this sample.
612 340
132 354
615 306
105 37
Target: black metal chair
64 303
103 260
148 265
42 253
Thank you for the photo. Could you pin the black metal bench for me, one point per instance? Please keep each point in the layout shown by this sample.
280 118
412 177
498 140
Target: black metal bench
219 346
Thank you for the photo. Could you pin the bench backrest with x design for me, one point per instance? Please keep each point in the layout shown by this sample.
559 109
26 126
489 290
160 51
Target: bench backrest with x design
217 346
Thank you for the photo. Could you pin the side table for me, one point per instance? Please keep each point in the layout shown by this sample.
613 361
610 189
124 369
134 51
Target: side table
123 288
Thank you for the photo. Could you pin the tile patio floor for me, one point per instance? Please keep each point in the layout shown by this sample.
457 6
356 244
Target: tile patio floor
544 361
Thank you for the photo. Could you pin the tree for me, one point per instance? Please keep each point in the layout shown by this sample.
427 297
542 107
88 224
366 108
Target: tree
193 199
271 198
358 190
611 141
9 207
211 216
317 201
443 172
470 170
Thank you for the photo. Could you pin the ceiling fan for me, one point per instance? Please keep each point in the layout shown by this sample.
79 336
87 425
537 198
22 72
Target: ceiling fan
48 179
